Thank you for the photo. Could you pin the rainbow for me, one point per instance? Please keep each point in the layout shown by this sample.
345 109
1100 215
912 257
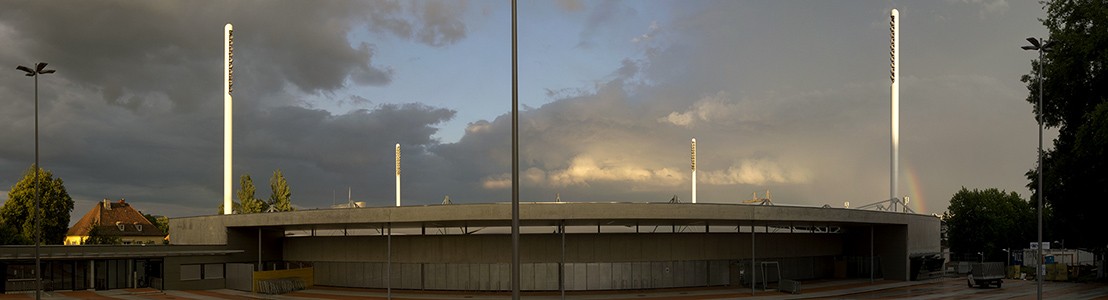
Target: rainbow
917 201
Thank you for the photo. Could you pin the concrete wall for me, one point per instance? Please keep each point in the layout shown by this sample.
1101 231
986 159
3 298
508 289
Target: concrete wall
209 230
545 248
172 270
533 276
923 235
895 236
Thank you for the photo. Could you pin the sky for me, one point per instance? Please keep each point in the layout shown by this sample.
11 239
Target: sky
790 97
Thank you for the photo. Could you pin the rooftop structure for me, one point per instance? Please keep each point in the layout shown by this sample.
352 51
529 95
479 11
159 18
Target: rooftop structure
116 220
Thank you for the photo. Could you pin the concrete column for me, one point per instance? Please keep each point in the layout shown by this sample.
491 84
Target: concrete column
92 274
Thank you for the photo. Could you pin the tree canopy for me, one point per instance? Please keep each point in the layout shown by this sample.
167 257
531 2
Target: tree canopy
250 203
1075 90
161 221
281 198
96 238
55 207
987 221
236 208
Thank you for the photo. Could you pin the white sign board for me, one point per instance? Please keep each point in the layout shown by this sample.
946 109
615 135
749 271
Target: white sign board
1046 246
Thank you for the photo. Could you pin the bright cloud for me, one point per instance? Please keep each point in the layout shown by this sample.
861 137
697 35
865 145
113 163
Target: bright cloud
756 172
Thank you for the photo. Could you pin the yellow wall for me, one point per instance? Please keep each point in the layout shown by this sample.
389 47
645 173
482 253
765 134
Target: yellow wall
80 240
75 239
305 274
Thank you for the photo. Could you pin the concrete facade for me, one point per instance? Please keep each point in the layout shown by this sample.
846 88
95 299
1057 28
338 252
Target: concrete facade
711 243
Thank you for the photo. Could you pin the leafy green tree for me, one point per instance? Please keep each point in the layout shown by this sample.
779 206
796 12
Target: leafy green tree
281 198
988 221
9 235
56 205
236 208
161 221
1075 88
250 204
96 238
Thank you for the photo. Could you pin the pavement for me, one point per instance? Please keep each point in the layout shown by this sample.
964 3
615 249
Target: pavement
943 288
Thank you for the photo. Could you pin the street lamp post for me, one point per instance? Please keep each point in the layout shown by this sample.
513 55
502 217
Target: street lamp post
40 68
1040 46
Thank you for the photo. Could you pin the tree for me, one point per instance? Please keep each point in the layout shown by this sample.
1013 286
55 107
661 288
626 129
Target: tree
161 221
56 205
236 208
95 238
250 204
281 198
9 235
1075 88
987 221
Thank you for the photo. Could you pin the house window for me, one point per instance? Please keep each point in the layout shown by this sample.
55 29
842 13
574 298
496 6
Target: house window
120 225
213 271
190 272
138 227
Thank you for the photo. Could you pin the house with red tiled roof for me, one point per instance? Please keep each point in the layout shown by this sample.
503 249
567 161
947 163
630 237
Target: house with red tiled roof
114 220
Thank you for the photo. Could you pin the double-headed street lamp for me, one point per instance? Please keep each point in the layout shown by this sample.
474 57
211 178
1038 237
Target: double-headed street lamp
40 68
1041 46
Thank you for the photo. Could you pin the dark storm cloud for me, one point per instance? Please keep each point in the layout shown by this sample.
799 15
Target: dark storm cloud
129 50
797 107
135 109
809 123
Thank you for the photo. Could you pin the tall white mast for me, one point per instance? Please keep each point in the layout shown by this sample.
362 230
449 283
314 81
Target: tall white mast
397 174
228 59
894 45
894 76
694 170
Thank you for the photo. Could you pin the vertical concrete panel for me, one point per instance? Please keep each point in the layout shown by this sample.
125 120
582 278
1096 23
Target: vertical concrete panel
567 271
580 276
441 276
662 274
640 275
321 275
333 273
700 273
479 273
505 275
494 277
465 279
542 273
551 277
395 276
679 273
366 275
527 277
379 271
617 275
602 276
540 276
351 274
410 274
719 272
657 273
472 276
430 276
457 275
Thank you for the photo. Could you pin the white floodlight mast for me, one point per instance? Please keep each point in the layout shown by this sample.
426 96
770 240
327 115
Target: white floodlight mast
894 53
397 174
694 170
228 59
